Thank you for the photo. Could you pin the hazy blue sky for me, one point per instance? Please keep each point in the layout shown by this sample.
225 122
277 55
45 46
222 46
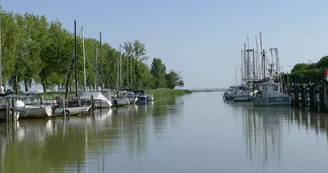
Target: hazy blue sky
200 38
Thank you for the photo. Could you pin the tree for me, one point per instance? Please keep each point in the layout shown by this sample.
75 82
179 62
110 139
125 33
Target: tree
158 70
174 79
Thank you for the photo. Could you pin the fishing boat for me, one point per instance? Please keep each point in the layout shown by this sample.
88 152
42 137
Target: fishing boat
270 94
230 93
35 111
242 94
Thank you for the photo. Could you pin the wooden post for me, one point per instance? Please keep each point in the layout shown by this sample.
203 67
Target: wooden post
64 112
322 98
297 96
7 110
304 97
312 97
13 110
315 98
92 106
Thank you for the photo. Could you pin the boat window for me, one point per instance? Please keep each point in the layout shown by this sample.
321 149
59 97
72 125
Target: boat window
275 88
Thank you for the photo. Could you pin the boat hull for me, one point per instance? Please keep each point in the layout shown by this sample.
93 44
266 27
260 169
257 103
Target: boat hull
103 104
72 110
245 98
35 112
272 101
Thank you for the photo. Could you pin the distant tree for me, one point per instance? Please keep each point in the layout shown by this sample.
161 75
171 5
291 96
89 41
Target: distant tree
174 79
158 70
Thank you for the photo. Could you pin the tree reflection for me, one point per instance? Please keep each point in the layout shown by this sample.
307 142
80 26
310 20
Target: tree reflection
60 146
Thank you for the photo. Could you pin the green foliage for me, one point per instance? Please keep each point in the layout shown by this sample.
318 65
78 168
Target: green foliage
158 70
173 79
168 92
35 50
308 73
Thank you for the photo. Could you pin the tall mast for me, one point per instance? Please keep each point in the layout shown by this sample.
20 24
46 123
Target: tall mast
120 66
245 64
0 50
262 56
96 69
257 58
84 71
75 60
242 67
101 70
236 75
117 70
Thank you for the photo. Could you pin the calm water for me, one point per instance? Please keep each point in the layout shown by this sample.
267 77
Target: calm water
194 133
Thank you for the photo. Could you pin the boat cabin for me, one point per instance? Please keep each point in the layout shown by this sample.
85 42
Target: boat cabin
269 88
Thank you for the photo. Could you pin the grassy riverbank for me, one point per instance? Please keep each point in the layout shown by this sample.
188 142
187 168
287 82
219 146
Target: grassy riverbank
168 92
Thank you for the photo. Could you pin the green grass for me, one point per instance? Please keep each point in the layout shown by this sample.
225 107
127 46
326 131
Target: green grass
168 92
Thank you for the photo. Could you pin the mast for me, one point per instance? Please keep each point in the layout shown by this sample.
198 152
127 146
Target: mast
242 67
262 56
96 69
254 67
75 61
245 64
101 70
117 70
257 58
84 71
236 75
0 50
120 66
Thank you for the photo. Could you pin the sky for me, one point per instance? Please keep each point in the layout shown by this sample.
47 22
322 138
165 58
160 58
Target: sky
200 38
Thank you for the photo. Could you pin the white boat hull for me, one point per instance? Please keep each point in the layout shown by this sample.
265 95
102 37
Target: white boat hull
103 104
73 110
31 111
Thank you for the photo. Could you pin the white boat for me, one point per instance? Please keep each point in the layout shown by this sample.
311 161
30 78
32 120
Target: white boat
120 101
35 111
99 99
72 110
132 98
242 94
150 98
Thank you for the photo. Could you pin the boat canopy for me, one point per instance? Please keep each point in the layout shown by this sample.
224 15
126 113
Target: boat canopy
96 95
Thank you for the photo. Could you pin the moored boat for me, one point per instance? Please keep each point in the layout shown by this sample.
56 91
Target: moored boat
270 94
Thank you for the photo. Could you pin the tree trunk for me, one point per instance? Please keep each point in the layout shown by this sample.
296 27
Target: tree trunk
44 87
26 85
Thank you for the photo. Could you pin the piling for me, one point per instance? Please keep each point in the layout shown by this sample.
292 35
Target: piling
297 97
313 98
92 106
304 97
64 112
13 110
322 105
7 110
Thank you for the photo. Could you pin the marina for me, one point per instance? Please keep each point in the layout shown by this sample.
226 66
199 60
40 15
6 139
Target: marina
130 138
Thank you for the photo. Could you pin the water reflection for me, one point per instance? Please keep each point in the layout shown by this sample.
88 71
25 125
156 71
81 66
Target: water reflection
263 129
81 144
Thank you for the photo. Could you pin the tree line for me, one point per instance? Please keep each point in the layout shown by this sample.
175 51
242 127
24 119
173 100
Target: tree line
38 51
308 72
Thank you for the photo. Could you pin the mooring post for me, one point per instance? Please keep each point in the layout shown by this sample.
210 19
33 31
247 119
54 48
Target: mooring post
13 109
7 109
325 97
315 97
297 96
304 97
64 112
92 106
322 98
312 97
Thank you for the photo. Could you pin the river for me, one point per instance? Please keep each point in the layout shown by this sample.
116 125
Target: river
193 133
